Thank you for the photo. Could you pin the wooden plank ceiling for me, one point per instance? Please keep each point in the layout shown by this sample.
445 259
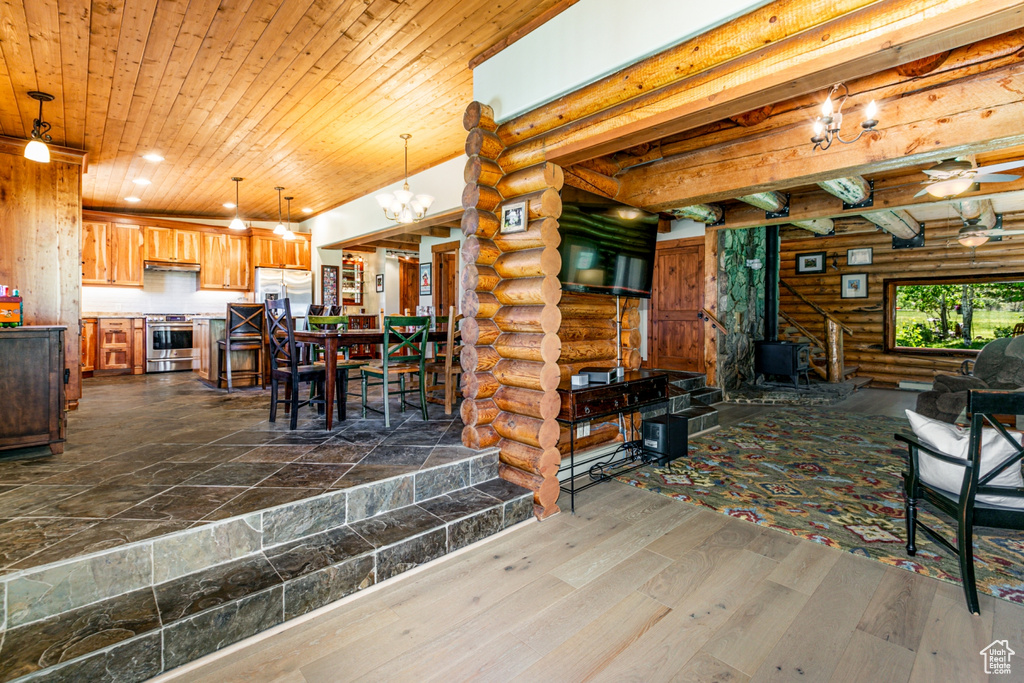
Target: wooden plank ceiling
310 95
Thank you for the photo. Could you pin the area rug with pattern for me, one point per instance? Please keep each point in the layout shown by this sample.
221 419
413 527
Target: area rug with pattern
834 479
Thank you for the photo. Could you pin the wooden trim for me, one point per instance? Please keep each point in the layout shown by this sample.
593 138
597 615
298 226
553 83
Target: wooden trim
521 32
446 246
144 221
681 242
67 155
450 216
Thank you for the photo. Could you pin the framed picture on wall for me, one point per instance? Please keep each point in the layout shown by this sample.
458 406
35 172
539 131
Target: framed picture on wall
854 286
380 282
810 262
859 257
425 279
513 217
328 285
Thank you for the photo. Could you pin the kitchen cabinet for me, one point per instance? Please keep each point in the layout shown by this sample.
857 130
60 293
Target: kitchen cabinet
273 251
88 360
120 346
95 239
111 254
33 388
206 353
224 262
171 245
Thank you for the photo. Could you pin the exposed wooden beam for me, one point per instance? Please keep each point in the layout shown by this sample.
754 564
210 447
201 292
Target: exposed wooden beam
852 190
707 214
437 231
776 202
977 209
877 37
451 216
584 178
395 244
899 222
977 114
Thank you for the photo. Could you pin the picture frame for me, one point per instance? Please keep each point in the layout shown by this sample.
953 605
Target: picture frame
854 286
425 278
810 262
863 256
380 282
513 217
329 283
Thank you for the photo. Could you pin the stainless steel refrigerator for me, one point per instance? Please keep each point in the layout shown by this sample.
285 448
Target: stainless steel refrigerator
281 283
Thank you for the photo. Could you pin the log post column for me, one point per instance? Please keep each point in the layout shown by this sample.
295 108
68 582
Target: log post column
510 336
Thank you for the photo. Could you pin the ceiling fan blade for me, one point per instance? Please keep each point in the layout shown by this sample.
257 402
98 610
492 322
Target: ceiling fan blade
998 168
999 232
995 178
921 193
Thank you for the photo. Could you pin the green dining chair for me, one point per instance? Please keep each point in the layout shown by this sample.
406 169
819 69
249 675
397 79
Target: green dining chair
334 322
404 353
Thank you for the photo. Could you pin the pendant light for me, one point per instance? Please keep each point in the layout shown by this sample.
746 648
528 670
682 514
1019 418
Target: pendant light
238 223
288 234
403 206
279 229
36 150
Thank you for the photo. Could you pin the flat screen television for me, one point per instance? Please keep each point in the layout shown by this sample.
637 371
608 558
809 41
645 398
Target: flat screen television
607 249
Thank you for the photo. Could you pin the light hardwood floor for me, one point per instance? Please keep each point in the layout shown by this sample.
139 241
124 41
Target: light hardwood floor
638 587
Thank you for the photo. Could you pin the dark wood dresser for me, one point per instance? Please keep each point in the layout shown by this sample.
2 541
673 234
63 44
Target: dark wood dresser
32 411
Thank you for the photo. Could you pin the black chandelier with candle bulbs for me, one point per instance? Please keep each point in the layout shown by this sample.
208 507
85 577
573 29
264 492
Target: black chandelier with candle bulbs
828 125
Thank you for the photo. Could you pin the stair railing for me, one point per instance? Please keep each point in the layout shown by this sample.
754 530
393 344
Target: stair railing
705 314
834 329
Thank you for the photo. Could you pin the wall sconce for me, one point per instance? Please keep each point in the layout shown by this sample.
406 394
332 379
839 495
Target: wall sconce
826 126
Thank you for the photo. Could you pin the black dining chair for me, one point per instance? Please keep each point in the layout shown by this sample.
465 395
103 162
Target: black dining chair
963 505
285 365
344 365
244 332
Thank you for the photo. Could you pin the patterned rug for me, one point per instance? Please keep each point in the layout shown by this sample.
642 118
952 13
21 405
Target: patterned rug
833 479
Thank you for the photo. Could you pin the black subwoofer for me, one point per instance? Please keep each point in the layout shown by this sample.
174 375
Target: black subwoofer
665 437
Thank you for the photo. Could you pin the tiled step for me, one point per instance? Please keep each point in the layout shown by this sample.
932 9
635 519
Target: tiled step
686 380
706 396
155 605
700 419
678 399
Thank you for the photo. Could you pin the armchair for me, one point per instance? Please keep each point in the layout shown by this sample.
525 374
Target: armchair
1000 365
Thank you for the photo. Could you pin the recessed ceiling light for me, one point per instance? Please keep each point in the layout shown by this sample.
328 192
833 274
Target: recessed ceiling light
307 210
155 158
229 205
132 199
141 181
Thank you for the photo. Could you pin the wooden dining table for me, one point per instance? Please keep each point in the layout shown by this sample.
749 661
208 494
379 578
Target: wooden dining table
334 340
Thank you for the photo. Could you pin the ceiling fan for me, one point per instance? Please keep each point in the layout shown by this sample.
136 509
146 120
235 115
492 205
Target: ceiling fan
955 176
972 236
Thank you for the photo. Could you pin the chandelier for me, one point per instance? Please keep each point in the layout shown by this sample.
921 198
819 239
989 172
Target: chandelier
403 206
826 126
36 150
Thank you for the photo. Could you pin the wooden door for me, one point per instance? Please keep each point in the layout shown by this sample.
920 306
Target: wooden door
213 261
126 255
186 246
160 244
237 263
95 238
408 286
676 333
115 344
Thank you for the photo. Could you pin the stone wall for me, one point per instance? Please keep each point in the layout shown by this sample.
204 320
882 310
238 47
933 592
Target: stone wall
740 304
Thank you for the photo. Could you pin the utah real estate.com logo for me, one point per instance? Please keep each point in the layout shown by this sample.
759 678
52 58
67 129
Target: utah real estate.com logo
997 657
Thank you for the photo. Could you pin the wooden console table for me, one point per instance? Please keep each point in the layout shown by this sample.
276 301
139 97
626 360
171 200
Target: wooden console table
636 390
32 379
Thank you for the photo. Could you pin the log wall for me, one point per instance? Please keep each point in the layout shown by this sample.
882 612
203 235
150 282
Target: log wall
510 336
941 255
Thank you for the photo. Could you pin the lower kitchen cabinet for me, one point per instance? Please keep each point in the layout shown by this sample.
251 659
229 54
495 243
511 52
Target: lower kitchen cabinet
120 346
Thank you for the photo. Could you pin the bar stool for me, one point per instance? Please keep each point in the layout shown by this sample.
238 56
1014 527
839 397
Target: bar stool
244 332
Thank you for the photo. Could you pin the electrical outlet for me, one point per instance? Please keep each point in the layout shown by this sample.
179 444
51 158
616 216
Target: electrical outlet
583 430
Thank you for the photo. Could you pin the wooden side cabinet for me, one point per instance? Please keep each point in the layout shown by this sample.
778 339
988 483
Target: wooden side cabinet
32 380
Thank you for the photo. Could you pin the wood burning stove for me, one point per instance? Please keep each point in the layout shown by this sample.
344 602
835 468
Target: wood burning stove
783 358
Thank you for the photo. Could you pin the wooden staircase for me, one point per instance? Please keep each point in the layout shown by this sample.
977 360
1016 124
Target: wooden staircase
822 363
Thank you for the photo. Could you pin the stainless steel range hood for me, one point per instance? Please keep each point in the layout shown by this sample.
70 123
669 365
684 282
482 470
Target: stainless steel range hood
180 267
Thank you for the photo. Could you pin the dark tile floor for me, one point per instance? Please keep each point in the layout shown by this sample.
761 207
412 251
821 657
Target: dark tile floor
149 455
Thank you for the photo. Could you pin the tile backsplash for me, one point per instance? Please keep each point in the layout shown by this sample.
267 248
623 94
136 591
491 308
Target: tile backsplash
162 292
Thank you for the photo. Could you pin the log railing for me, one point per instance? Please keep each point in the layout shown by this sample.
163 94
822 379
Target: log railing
705 314
833 345
807 333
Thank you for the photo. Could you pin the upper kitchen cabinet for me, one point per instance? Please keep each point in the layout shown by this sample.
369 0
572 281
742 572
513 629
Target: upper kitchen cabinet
111 254
171 245
224 262
272 251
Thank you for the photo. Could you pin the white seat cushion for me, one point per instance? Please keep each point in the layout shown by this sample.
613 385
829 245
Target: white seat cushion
955 441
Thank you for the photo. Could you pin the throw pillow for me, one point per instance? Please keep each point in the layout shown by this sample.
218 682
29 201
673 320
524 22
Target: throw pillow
955 441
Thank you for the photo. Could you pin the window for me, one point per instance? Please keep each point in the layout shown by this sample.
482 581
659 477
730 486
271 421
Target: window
951 315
